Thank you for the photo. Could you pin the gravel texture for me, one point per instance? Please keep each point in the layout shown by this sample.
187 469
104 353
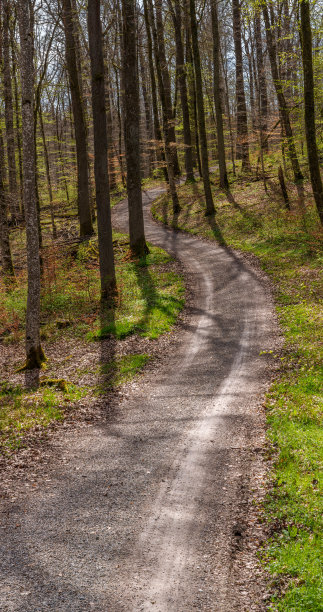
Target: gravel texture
151 509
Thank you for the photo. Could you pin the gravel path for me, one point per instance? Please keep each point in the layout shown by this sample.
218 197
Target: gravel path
148 511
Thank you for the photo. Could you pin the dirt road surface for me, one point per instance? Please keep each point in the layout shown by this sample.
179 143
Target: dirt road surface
149 511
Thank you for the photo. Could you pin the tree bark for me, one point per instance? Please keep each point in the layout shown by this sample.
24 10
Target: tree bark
160 153
312 154
242 120
17 115
48 177
262 85
131 128
13 187
224 183
210 210
106 257
83 188
7 265
34 353
160 51
181 72
148 122
166 124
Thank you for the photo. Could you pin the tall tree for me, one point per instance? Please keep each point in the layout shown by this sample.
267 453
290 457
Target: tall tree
131 127
157 129
224 183
283 106
83 189
7 82
242 118
106 257
210 210
167 126
176 13
161 58
6 259
313 160
262 85
34 352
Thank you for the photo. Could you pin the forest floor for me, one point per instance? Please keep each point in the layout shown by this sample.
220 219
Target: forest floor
288 246
154 507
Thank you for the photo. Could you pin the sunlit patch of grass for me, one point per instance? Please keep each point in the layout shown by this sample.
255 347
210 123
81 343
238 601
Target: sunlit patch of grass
289 248
119 371
22 410
150 296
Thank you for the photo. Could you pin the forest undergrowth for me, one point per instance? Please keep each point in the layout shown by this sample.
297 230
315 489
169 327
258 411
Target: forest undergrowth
91 350
288 245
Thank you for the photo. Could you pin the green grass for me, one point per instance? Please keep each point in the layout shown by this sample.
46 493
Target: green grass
120 370
21 409
150 296
289 249
149 299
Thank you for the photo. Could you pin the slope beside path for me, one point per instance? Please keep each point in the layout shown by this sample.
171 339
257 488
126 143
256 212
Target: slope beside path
150 510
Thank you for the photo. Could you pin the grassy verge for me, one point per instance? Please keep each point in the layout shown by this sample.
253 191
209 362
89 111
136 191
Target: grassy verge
150 297
289 247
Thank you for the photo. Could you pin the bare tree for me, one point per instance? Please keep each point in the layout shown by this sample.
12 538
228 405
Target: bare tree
242 119
34 352
131 128
210 210
7 82
83 188
217 95
313 160
107 271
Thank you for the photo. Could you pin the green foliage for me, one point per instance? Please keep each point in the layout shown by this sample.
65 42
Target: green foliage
289 247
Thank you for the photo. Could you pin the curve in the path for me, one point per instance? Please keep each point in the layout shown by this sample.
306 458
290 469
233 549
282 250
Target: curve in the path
143 512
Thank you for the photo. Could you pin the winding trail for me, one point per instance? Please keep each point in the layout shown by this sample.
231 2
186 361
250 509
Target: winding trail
146 512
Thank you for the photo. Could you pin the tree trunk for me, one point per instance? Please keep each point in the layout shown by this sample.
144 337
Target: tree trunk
313 160
166 124
6 259
181 72
160 153
34 353
109 120
242 120
131 128
262 85
106 257
283 107
17 116
13 187
217 96
160 51
119 130
148 122
49 181
84 210
210 210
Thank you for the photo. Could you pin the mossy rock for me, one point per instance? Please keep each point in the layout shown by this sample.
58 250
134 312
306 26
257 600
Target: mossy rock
58 383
